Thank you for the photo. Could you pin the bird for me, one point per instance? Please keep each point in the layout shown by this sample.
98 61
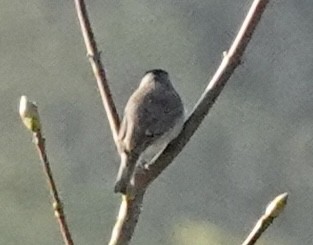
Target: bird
153 116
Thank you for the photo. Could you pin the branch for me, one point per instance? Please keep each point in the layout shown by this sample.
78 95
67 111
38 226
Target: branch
230 61
30 117
130 208
57 203
272 211
97 67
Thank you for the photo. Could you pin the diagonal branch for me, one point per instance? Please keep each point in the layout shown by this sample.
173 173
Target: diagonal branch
273 210
57 203
29 114
97 67
230 62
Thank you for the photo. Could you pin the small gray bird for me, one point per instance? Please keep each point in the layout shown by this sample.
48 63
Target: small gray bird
154 116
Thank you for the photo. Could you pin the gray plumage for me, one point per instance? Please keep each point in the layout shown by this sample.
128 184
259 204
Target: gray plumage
153 116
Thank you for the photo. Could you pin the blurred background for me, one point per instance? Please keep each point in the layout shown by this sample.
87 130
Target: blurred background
255 144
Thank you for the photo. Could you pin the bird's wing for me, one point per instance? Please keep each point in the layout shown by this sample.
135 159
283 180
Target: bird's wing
148 115
161 113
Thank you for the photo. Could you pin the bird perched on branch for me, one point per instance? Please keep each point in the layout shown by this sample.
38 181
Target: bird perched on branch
153 116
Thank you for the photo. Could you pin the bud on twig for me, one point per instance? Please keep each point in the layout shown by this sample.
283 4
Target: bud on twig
29 114
276 206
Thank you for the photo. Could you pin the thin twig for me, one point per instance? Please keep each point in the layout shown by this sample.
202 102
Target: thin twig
57 203
29 114
97 67
272 211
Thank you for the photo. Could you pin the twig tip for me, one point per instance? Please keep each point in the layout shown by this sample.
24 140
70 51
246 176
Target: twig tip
276 206
28 111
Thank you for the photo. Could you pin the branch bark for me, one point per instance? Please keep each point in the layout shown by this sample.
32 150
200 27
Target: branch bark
130 210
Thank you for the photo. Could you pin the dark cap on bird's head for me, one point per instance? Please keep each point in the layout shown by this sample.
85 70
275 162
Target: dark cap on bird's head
156 75
157 72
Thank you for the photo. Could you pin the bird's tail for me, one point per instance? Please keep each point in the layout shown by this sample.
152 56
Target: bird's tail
125 173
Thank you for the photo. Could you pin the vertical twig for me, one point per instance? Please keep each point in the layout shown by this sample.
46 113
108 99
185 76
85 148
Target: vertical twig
97 67
57 203
122 232
29 114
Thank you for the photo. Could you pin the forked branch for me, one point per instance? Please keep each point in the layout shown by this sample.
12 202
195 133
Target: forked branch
130 208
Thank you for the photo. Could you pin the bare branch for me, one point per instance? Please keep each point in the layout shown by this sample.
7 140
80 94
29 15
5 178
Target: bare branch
57 203
127 219
272 211
97 67
229 63
30 116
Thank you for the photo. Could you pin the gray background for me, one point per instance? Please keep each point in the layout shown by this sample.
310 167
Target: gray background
255 143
